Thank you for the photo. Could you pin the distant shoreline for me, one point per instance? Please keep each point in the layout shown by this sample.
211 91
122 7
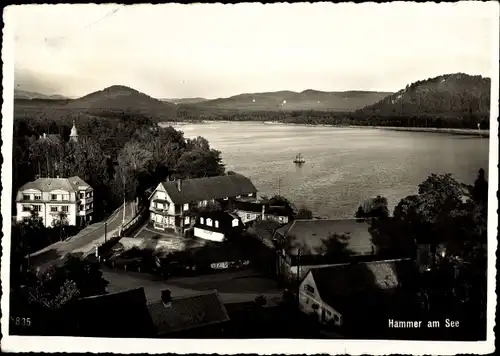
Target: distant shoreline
469 132
473 132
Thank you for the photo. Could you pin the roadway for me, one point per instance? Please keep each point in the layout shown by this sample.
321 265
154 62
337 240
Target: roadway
84 242
233 287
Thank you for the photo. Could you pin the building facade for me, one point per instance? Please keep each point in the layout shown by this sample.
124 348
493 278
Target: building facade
53 198
172 203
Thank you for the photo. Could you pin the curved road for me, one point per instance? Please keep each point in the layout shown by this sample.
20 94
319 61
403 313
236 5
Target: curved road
84 242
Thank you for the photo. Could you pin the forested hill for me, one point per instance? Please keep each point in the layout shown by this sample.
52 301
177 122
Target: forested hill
119 98
449 96
286 100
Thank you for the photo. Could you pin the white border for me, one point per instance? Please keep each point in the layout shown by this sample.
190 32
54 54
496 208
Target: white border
282 346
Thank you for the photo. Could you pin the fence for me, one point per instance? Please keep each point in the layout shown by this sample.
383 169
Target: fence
127 228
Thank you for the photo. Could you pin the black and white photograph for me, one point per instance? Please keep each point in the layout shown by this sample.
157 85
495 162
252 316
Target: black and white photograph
289 178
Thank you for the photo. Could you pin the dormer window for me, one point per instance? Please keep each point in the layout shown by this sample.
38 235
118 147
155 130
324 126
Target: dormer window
235 222
26 197
209 222
216 223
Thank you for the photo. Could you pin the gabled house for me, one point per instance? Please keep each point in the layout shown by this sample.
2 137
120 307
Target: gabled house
217 226
171 202
252 211
129 314
351 294
200 315
53 197
304 244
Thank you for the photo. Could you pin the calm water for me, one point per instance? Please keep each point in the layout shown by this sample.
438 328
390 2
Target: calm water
344 166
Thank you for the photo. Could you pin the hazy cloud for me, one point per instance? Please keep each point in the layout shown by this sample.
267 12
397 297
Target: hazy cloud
219 50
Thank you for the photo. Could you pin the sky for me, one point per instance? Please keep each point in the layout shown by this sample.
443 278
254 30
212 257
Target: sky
210 51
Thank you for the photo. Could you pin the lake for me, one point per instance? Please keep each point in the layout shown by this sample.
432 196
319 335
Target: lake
344 166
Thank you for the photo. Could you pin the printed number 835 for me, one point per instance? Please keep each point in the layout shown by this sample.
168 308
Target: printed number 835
18 321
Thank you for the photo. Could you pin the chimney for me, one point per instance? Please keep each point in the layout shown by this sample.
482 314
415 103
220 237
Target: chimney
166 298
179 185
263 211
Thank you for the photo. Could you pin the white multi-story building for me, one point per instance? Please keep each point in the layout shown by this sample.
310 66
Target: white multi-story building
51 197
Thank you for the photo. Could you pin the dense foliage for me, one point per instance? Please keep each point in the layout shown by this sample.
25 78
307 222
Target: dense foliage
450 101
117 154
444 226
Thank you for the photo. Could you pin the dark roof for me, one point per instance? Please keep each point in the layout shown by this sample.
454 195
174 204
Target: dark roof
279 210
310 235
248 206
56 138
199 189
269 209
338 285
122 314
187 313
225 220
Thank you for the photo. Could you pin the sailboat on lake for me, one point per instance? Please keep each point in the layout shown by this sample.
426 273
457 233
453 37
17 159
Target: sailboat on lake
299 159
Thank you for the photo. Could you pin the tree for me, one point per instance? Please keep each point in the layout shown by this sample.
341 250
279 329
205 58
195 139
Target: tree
443 212
304 213
60 224
199 163
373 208
278 200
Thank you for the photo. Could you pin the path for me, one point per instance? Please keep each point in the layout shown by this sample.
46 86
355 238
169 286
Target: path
84 242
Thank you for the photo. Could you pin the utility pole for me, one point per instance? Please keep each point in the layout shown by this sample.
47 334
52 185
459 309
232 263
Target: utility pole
123 217
298 279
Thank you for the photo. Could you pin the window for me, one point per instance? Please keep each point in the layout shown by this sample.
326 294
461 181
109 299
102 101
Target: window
65 197
37 207
26 197
336 318
202 221
248 216
328 313
82 207
308 288
65 208
216 223
26 208
209 222
53 209
53 197
186 220
186 207
82 195
235 222
88 195
38 197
